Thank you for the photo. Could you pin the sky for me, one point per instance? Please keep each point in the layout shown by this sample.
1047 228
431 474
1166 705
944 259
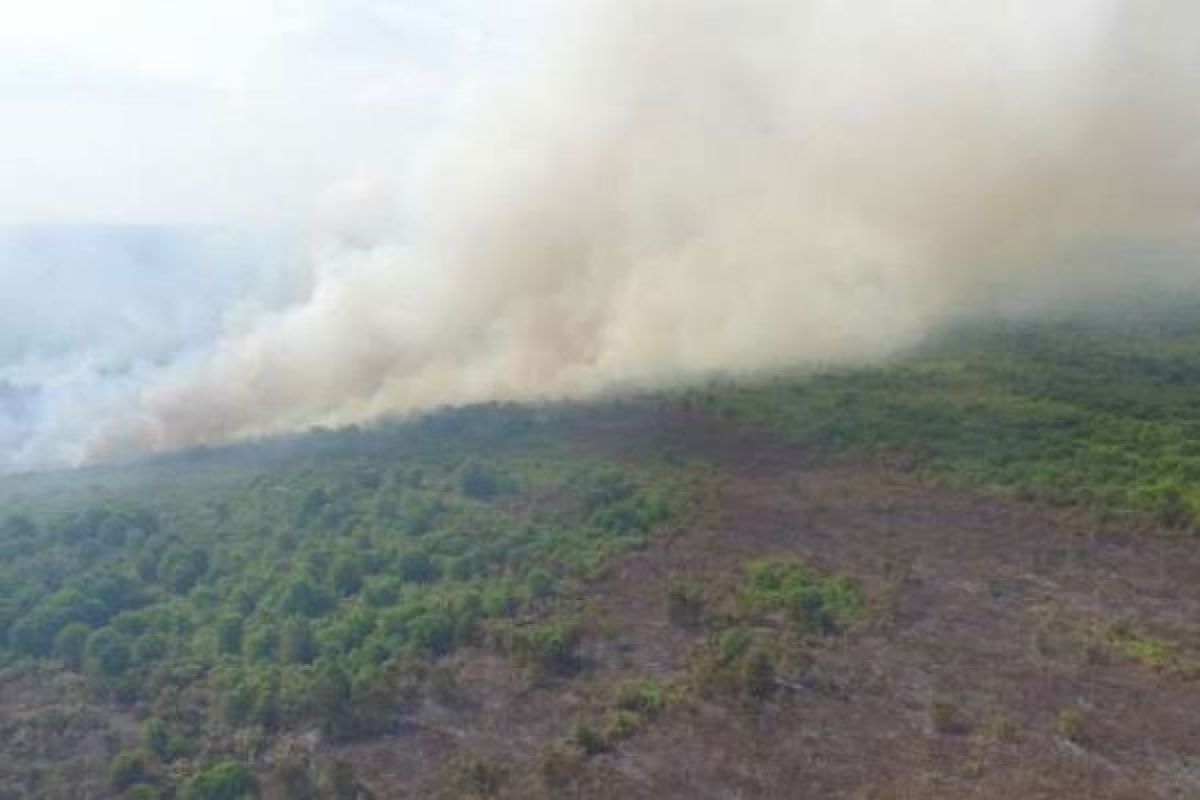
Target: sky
167 166
246 112
234 218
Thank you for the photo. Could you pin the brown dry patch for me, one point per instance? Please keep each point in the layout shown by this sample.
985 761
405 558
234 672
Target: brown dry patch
976 601
57 739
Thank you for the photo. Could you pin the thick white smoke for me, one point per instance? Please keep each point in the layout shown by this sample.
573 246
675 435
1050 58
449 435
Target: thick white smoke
686 186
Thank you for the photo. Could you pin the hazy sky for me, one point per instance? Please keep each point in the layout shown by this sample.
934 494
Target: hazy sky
227 218
166 164
243 111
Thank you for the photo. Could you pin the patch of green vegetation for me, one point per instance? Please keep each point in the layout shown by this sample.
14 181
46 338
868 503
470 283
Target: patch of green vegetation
477 778
589 740
226 780
646 697
128 769
1150 651
633 706
815 604
1071 725
546 650
304 588
745 652
1101 412
998 725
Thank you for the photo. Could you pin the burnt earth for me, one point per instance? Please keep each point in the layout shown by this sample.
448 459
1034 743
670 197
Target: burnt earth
981 604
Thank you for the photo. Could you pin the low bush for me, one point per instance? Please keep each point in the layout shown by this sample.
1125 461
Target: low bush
685 603
227 780
129 768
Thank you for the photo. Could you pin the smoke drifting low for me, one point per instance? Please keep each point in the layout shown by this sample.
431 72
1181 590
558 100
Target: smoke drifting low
686 186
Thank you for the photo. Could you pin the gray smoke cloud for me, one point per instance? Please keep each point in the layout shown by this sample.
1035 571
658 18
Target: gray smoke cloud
680 187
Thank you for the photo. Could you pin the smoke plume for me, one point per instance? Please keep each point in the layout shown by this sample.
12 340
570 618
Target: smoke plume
680 187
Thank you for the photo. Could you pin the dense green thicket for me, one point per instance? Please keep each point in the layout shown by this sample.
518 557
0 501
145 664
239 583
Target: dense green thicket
1106 413
225 592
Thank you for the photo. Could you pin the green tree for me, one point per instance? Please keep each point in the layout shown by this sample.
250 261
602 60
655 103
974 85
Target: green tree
128 768
266 705
181 569
237 703
229 635
331 699
227 780
478 481
346 575
149 648
432 631
417 567
262 643
70 643
142 791
296 642
106 655
305 597
156 737
539 583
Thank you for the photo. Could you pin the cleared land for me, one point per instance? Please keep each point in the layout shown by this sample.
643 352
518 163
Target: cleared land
994 658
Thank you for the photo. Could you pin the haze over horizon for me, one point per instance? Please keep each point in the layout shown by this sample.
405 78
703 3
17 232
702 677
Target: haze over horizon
169 171
237 218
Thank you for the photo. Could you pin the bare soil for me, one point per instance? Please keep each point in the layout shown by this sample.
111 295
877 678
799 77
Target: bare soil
982 605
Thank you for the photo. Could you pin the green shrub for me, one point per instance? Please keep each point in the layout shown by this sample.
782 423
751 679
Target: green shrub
346 575
128 768
432 632
69 644
642 697
587 738
229 635
733 644
478 481
237 704
498 602
539 583
758 675
156 738
999 726
296 642
548 649
416 566
227 780
685 603
1071 725
262 643
621 725
817 605
304 597
106 654
149 648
